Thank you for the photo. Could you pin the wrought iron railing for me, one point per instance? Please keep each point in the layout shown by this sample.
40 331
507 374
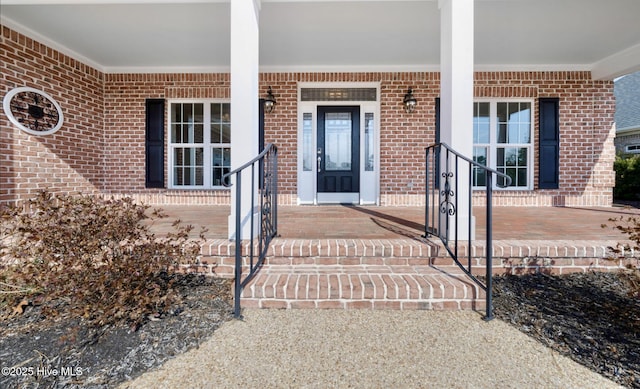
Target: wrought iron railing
266 165
442 216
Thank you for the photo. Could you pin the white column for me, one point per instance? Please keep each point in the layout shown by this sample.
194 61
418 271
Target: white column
244 103
456 93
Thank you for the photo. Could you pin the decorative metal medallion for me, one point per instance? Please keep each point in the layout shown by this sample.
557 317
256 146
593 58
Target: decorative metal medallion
33 111
447 206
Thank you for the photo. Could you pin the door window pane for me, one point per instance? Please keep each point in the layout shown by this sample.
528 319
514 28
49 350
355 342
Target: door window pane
307 142
337 141
369 137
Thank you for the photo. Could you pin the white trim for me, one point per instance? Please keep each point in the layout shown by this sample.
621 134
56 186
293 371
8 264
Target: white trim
165 69
409 68
6 105
532 67
308 179
348 68
338 198
91 2
618 64
628 131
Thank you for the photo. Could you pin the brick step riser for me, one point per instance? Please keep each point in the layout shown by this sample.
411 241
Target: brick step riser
224 265
413 248
449 305
337 290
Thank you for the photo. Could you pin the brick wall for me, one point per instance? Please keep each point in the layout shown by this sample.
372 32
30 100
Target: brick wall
587 110
101 145
70 160
586 119
124 96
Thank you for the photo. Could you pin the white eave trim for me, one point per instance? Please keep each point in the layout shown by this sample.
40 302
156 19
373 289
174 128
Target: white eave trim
616 65
166 69
348 68
628 131
421 68
91 2
532 68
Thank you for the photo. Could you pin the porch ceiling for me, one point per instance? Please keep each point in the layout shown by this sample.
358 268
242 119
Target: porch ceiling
324 35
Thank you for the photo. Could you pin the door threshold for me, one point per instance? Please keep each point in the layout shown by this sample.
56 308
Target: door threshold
338 198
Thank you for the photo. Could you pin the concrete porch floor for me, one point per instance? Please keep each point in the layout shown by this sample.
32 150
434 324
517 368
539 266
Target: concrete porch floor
371 222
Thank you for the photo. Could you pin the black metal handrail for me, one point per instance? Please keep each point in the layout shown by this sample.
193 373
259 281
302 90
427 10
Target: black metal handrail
442 177
267 162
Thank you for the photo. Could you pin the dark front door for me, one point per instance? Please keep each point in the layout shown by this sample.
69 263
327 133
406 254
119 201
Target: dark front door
338 154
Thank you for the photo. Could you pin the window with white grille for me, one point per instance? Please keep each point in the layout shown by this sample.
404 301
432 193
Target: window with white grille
502 140
199 144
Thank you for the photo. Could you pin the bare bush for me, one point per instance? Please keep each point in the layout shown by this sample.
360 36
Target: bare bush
86 256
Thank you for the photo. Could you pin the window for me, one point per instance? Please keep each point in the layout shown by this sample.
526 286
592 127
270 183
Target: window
199 144
502 141
633 149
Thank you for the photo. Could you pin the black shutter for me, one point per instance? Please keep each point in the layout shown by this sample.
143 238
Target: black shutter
549 156
154 143
437 160
260 139
437 120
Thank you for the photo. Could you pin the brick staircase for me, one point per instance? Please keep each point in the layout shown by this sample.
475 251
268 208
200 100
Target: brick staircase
390 273
350 274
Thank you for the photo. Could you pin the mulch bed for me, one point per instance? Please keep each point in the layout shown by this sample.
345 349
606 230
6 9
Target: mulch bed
594 318
67 354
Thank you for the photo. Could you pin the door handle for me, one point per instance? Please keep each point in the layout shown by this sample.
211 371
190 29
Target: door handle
319 164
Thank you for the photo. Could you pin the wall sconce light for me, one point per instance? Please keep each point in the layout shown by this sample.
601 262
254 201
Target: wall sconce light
409 101
269 101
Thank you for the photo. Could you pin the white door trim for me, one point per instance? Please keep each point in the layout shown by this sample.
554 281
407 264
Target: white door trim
306 179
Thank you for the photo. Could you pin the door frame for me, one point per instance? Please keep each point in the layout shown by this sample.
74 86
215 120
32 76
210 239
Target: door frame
307 179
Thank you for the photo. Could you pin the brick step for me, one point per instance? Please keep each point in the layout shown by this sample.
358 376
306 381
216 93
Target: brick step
361 287
387 274
224 266
510 257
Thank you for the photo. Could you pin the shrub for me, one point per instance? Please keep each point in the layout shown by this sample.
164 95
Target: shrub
629 226
82 255
627 178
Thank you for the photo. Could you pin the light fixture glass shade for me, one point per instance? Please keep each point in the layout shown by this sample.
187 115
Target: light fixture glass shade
409 101
269 101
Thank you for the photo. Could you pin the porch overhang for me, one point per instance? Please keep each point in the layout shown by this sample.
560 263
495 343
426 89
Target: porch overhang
160 36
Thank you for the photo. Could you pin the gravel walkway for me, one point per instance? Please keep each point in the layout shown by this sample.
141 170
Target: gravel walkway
369 349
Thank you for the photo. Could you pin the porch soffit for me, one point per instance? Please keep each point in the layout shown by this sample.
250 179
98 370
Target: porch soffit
296 35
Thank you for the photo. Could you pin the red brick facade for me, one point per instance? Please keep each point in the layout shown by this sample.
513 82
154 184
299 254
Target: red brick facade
70 159
100 147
